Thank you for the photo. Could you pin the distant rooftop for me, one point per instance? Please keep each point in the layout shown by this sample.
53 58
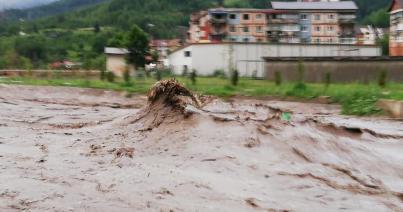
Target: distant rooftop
228 10
112 50
337 5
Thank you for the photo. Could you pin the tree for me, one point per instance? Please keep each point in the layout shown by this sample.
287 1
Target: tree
137 44
97 28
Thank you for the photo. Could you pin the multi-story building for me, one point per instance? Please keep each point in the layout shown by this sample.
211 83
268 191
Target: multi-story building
199 29
304 21
238 25
396 28
325 21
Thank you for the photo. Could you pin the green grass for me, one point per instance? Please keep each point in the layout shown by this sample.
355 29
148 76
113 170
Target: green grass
355 98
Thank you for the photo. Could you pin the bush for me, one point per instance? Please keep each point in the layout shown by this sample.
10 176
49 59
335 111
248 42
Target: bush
234 77
360 103
193 76
254 74
219 73
126 76
185 72
278 78
158 75
110 76
102 74
327 80
301 72
382 79
300 85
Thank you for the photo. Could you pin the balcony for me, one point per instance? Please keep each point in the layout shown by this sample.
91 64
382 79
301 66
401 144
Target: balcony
347 19
284 28
347 40
283 21
221 32
218 20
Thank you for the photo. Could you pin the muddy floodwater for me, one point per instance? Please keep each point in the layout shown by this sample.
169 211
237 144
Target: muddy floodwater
71 149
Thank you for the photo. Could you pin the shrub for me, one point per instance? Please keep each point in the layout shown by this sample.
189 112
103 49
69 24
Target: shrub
254 74
219 73
185 72
382 79
300 85
158 75
102 74
301 72
126 76
278 78
360 103
327 80
110 76
193 76
234 77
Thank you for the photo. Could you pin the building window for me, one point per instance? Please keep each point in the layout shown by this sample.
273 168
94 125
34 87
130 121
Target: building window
317 17
304 28
304 16
259 29
232 29
258 16
331 16
188 54
245 16
246 29
317 28
317 40
259 40
330 28
232 16
246 40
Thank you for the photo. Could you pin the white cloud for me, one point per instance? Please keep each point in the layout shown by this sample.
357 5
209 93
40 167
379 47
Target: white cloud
7 4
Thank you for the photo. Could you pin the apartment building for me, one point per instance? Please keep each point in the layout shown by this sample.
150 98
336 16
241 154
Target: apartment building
323 21
308 21
238 25
199 28
396 28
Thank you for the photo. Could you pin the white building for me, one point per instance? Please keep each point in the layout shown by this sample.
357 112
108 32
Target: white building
206 58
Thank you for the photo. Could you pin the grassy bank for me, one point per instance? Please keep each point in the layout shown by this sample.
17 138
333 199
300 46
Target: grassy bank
355 98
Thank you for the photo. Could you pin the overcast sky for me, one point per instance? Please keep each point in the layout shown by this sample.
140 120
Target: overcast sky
7 4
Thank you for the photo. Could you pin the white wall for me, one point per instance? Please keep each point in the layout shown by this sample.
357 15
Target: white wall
247 57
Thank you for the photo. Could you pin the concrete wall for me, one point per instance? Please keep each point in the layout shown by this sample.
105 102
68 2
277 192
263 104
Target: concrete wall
247 57
117 64
341 70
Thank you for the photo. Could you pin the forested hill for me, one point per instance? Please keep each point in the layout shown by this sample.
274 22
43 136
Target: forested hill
54 8
164 15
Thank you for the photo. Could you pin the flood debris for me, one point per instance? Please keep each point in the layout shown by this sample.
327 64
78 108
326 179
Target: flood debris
124 152
172 93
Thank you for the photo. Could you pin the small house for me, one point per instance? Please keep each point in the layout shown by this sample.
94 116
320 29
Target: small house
116 60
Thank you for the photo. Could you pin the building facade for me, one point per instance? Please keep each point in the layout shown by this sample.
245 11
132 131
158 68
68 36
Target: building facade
247 58
116 60
396 28
325 21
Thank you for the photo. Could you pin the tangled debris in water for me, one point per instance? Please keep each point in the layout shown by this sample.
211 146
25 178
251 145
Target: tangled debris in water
171 92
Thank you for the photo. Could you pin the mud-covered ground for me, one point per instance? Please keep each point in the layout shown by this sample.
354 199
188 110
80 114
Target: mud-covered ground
70 149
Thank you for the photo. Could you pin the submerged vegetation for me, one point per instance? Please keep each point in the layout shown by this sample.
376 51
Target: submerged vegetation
355 98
